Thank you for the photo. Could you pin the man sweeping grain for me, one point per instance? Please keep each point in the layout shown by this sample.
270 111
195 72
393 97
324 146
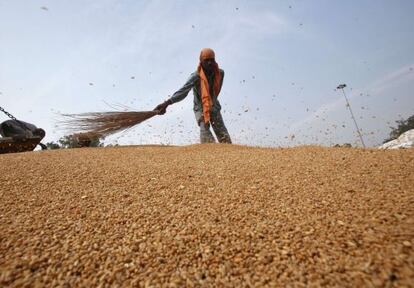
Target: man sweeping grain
206 83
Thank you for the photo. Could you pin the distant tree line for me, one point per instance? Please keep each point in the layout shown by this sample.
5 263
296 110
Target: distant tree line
71 141
402 126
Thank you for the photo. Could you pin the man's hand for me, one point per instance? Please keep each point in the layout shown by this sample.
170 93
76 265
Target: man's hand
162 108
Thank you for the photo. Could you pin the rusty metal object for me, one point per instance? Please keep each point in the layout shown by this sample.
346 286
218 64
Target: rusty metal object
18 144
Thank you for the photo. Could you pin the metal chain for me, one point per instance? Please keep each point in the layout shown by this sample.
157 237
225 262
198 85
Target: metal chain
7 113
20 123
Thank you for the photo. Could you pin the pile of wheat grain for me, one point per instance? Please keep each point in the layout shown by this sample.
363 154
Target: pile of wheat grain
207 216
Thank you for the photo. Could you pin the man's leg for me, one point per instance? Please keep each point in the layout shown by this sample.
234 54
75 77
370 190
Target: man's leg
219 128
205 133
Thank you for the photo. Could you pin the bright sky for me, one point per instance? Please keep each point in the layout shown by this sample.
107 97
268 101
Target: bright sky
283 61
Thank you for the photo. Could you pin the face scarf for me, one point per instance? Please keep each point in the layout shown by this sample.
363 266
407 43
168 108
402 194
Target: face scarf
206 98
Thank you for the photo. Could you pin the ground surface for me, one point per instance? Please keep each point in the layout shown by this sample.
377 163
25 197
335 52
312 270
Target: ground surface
207 215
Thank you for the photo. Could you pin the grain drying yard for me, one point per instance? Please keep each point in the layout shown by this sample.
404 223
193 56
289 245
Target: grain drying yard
207 216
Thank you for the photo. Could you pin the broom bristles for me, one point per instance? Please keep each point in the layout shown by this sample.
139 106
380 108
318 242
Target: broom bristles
102 124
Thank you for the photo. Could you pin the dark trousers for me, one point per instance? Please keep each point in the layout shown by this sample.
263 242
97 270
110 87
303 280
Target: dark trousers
219 128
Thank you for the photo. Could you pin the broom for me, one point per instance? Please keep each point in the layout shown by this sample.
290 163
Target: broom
94 125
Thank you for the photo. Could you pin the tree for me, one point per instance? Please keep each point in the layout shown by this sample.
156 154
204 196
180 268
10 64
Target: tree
52 145
68 141
71 141
403 126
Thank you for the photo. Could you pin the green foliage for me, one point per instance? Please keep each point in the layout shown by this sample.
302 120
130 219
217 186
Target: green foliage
403 126
52 145
68 142
71 141
96 142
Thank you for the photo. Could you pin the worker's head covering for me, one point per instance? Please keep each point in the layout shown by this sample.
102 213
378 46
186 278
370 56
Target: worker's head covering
207 53
206 98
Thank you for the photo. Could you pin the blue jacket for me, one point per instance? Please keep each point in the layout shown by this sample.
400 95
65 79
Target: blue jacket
193 82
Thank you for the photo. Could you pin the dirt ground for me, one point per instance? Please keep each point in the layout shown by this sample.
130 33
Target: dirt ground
207 216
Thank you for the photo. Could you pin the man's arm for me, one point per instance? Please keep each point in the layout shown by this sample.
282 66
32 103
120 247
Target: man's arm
183 92
179 95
